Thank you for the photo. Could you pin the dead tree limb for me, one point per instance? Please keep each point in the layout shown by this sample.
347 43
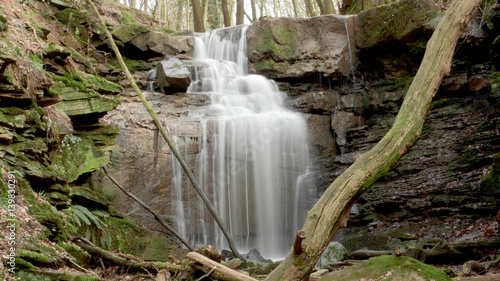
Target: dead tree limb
167 138
157 217
328 215
225 271
127 263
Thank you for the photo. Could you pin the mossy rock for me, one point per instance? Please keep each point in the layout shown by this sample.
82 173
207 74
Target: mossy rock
389 268
127 32
103 135
39 259
48 216
35 275
81 257
76 156
76 16
402 20
89 198
490 183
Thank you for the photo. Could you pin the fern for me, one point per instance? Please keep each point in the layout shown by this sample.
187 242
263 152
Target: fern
82 214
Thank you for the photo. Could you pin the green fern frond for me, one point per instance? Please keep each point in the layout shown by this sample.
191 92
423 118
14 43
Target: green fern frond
83 214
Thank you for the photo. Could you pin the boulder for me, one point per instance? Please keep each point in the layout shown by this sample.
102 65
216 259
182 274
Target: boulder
300 48
160 44
335 252
402 21
173 75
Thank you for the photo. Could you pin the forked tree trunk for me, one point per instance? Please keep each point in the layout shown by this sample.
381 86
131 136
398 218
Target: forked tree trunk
332 210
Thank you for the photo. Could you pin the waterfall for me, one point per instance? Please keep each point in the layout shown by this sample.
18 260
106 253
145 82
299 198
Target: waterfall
250 155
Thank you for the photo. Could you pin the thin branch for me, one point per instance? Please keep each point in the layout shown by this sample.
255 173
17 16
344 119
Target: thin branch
157 217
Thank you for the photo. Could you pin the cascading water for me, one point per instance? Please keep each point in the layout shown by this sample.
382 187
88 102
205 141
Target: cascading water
252 151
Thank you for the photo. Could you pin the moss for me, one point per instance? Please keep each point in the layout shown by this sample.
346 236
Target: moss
490 183
127 32
76 156
38 259
394 21
54 275
81 257
390 268
48 216
137 65
127 18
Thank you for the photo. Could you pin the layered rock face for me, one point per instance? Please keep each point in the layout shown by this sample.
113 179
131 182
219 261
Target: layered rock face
348 75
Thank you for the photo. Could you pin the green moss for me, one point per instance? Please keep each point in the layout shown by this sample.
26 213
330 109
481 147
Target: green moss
394 21
490 183
76 156
48 216
127 32
36 258
81 257
127 18
389 268
54 275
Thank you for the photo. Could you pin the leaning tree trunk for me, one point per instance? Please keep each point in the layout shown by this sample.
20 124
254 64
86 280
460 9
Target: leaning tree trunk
332 210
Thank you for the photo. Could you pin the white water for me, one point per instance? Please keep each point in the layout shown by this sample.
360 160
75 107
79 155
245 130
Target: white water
251 154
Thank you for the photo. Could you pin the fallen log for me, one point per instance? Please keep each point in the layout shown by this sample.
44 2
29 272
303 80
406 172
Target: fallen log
366 254
218 268
116 260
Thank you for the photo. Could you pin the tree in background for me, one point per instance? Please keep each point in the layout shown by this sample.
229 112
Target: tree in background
199 24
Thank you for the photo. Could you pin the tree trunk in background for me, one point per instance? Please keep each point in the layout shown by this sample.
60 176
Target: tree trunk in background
295 8
254 11
225 13
204 10
133 4
321 7
199 25
328 5
180 6
310 9
240 12
332 210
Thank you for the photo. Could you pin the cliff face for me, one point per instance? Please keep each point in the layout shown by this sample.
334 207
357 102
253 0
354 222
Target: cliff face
446 187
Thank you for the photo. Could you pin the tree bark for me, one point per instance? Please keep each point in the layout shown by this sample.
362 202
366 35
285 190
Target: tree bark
310 9
254 11
240 12
328 4
321 7
167 138
295 8
230 274
199 25
332 210
225 13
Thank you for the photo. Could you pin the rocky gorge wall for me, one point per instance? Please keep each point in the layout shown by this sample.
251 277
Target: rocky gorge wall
67 110
348 76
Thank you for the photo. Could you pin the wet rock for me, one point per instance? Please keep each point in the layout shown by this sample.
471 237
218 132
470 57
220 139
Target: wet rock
173 76
320 134
255 256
